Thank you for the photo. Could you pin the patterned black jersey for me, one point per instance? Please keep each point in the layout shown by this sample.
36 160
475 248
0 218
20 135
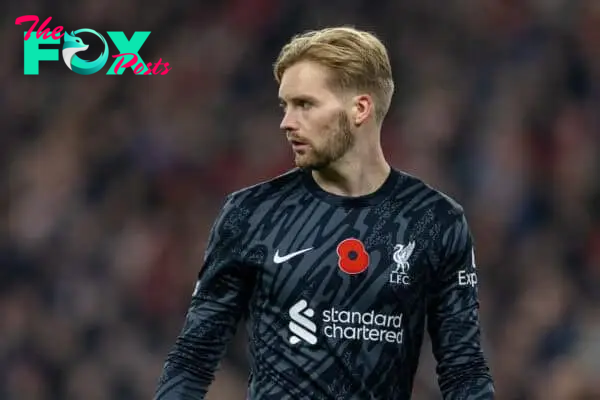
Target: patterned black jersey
337 293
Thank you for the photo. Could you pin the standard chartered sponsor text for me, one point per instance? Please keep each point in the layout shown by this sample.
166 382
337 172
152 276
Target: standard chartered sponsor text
370 326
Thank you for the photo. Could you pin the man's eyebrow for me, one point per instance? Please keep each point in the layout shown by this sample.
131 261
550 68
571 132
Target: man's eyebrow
304 97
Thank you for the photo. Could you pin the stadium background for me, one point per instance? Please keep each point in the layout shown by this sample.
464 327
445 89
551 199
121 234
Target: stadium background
111 182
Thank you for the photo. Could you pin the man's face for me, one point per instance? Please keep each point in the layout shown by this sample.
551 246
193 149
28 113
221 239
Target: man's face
315 121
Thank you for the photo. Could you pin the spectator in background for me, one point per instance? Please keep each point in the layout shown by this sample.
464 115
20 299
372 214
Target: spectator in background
112 182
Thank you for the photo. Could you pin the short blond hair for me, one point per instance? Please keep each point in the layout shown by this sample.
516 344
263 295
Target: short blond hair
358 60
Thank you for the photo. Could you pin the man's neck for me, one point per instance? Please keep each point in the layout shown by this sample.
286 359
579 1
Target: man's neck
353 178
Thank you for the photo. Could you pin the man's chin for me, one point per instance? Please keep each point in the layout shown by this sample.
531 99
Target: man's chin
303 162
310 164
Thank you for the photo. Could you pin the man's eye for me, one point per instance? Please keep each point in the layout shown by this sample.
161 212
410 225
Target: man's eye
304 104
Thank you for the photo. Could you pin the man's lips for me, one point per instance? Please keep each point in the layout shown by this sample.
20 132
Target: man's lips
298 144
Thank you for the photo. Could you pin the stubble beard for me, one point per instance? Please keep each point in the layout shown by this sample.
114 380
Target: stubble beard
339 141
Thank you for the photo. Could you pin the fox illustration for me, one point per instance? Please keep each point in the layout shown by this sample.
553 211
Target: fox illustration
72 45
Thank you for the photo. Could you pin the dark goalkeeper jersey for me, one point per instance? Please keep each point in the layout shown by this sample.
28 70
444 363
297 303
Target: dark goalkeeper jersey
337 293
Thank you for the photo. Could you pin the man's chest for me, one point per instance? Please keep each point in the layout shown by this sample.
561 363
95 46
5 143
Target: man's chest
358 266
359 276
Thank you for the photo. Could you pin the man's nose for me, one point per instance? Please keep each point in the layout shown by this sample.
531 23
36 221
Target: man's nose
288 123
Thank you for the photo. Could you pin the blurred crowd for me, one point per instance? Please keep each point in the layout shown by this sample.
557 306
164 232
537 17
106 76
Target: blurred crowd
111 183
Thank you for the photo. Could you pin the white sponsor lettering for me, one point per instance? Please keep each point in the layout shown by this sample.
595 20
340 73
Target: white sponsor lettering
467 278
369 326
343 324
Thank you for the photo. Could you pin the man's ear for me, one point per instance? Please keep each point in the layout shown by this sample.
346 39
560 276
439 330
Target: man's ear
363 107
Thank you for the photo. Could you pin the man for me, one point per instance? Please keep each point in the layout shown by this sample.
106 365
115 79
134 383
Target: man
337 264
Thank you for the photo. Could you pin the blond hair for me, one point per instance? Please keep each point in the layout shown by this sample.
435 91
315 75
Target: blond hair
358 60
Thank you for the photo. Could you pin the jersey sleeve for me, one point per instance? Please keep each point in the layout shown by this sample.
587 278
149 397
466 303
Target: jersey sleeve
218 303
453 317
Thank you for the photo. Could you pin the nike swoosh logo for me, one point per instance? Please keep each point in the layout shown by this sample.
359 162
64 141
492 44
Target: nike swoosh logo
277 259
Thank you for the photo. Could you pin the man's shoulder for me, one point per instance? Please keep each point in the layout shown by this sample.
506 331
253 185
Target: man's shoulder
426 196
265 190
242 204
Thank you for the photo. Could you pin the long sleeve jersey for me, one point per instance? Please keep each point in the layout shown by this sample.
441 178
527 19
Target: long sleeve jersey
337 294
